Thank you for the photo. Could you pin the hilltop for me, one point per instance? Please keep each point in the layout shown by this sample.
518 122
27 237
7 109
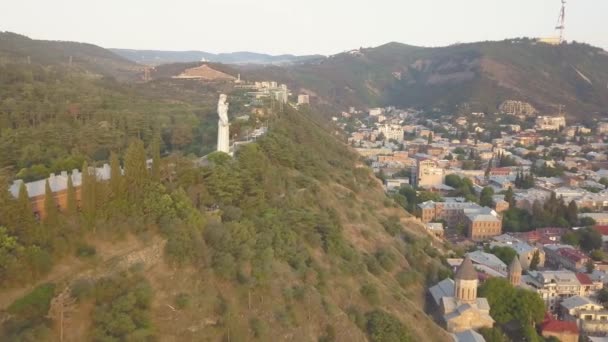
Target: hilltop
16 48
157 57
480 75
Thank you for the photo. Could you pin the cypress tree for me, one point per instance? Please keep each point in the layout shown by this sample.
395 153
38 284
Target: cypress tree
23 203
25 216
115 176
156 160
88 193
136 173
50 206
72 206
572 213
510 198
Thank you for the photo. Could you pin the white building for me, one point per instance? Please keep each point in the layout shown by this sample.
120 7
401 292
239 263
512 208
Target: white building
550 123
394 132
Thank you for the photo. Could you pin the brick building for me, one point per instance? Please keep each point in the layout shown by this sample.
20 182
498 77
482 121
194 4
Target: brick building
59 187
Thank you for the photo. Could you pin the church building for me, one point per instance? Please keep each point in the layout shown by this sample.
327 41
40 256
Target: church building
457 300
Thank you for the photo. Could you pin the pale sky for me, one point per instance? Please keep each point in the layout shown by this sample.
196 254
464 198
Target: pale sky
299 27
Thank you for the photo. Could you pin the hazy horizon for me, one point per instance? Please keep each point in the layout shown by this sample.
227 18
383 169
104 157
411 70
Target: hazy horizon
287 27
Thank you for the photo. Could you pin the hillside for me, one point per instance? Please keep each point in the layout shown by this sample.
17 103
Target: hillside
157 57
15 48
480 74
292 239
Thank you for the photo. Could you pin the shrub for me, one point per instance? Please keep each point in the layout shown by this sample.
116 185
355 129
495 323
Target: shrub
392 225
370 293
407 278
85 251
384 327
357 317
373 266
258 327
82 288
182 300
35 304
386 259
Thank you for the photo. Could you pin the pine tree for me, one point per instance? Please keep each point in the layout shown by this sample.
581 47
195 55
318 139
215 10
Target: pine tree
430 138
50 207
72 206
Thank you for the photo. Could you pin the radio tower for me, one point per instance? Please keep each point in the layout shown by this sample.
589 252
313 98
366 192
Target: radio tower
561 22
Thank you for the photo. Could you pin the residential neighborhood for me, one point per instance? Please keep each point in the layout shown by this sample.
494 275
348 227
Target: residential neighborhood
517 195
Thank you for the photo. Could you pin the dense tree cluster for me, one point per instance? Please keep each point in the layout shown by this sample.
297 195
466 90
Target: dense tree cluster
553 213
463 187
121 313
53 119
513 304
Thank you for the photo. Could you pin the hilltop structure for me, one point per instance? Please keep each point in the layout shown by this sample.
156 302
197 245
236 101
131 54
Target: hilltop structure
206 73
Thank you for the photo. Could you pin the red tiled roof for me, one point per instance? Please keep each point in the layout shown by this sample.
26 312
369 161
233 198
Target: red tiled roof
602 229
584 279
560 327
572 254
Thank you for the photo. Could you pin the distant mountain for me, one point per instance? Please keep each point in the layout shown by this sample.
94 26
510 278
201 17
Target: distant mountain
157 57
88 57
479 75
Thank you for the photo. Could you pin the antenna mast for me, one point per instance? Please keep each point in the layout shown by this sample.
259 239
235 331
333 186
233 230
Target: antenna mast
561 22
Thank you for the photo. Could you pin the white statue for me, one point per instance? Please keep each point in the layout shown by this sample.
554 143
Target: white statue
223 130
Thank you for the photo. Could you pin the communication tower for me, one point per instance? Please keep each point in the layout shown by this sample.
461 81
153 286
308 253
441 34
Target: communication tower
561 22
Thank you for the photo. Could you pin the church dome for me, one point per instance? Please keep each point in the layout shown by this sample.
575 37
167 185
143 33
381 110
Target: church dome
466 271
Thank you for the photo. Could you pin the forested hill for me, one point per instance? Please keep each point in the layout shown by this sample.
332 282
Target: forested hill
479 74
16 48
293 238
52 117
157 57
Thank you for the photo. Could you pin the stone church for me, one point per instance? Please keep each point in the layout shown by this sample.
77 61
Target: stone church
457 300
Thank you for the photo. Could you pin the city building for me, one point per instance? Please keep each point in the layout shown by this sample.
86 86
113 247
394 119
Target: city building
550 123
517 108
591 317
565 256
303 99
482 223
564 331
525 252
391 132
427 172
555 286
